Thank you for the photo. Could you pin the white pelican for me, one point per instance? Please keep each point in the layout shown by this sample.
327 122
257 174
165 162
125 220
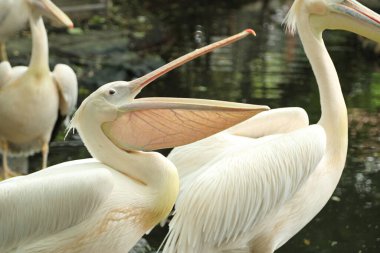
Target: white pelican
14 14
254 186
31 97
106 205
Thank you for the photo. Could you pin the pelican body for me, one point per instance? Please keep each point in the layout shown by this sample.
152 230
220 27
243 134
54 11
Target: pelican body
252 187
105 204
33 97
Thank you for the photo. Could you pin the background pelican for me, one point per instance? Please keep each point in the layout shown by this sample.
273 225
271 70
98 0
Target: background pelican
252 187
106 205
14 15
32 97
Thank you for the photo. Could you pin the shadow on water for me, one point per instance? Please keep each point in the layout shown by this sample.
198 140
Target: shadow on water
270 69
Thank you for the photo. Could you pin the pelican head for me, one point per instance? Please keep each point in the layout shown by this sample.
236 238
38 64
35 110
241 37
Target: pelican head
48 9
347 15
157 122
103 103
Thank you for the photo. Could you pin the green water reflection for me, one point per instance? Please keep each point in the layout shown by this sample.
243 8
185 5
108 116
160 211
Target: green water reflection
270 69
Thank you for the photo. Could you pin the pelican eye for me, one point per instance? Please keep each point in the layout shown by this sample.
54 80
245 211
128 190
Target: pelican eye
112 92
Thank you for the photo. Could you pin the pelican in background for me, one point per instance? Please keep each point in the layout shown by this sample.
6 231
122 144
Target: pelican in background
106 204
14 15
32 97
254 186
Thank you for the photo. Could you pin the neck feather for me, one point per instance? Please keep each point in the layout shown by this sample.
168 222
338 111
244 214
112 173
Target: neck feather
40 49
333 107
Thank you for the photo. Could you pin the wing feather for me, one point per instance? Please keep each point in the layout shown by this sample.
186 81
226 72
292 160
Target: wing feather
233 193
5 73
67 83
275 121
8 74
34 206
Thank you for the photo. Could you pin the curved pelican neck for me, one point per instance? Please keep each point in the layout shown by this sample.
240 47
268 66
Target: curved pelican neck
333 107
39 60
147 168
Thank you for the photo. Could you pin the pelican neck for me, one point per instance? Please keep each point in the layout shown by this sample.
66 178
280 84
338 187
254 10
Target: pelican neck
40 49
147 168
333 107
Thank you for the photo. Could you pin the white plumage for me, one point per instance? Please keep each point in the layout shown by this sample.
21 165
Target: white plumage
33 98
252 187
241 185
78 206
106 204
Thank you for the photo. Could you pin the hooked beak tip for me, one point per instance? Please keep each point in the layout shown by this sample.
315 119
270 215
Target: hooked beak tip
251 31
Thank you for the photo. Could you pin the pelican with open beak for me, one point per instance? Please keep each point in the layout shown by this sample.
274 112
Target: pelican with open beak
106 204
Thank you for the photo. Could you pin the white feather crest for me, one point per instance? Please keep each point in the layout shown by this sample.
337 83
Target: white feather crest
290 20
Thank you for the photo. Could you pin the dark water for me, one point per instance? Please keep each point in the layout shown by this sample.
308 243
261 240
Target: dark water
270 69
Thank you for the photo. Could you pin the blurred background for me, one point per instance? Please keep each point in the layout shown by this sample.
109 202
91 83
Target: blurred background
124 39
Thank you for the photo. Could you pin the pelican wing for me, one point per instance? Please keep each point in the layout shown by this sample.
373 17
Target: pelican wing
47 202
5 73
234 191
158 123
67 84
9 74
275 121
